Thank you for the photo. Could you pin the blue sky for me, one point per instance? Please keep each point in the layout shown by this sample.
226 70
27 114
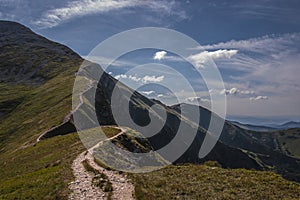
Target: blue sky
255 44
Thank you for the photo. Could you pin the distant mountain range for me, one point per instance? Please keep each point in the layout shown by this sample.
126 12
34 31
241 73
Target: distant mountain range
268 127
36 81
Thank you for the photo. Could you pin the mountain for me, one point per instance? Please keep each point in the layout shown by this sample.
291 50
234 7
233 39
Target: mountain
30 58
253 127
268 127
287 125
37 77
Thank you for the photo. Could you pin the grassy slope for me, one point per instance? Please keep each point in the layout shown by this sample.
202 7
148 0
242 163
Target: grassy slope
289 141
286 141
43 170
211 182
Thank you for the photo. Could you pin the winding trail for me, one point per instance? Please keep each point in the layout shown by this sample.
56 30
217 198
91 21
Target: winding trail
122 131
82 187
69 116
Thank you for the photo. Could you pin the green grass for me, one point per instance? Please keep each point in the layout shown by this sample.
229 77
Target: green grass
289 141
41 171
285 141
41 108
110 131
209 181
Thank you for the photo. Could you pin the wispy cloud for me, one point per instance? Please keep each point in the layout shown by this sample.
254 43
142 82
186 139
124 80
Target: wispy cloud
145 79
265 44
197 99
257 98
264 68
153 79
148 92
279 10
74 9
235 91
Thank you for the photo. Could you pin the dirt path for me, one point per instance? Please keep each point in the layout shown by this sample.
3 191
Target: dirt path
122 131
68 117
82 187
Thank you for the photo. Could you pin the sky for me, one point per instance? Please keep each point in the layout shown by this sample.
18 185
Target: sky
255 44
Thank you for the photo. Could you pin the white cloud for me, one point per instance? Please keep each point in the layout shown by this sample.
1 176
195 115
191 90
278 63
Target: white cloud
160 96
201 58
258 98
196 99
247 92
159 55
145 79
153 79
78 8
235 91
267 43
119 76
124 76
148 92
230 91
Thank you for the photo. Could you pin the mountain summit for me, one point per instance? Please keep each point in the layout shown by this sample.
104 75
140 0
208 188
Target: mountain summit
30 58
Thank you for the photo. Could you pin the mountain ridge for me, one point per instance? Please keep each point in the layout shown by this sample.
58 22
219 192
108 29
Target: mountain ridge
41 101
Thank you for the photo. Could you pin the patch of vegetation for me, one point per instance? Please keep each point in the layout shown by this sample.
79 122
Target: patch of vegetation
101 164
107 156
212 182
110 131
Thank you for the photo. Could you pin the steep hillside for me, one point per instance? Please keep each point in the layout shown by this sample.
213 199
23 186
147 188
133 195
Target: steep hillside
253 127
268 127
268 149
139 112
31 102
